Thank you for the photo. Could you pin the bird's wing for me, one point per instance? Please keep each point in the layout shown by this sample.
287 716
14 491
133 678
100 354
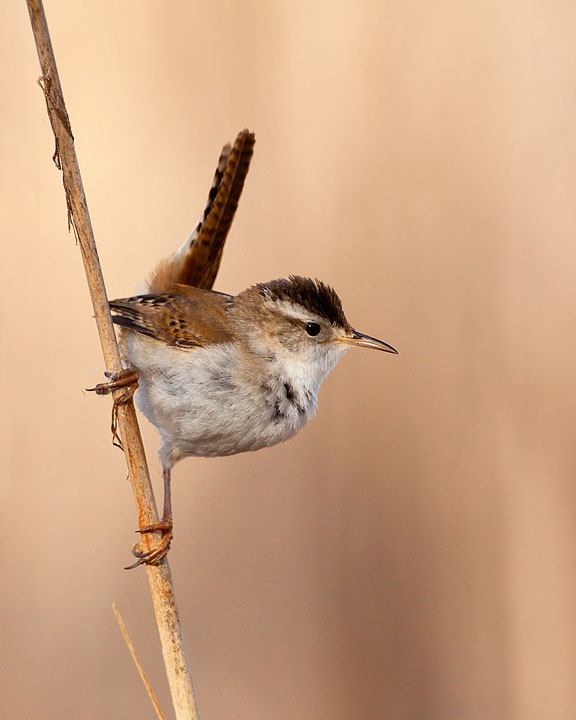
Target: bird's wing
196 263
187 319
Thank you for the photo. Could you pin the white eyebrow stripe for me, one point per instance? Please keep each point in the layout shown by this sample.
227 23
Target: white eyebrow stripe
296 312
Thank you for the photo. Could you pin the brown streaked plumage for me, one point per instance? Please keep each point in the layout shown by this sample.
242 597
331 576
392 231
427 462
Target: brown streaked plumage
314 295
191 317
196 263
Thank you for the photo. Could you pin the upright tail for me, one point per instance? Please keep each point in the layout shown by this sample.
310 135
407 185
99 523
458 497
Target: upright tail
197 261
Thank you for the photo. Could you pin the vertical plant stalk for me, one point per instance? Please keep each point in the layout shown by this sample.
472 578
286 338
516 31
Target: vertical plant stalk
161 587
138 664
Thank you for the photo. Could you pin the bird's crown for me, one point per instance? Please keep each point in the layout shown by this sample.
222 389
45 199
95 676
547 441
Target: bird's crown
313 296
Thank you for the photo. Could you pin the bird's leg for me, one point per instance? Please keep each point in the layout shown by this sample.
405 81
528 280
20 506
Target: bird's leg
125 378
153 557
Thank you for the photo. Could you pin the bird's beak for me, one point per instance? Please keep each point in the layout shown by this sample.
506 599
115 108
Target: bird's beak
366 341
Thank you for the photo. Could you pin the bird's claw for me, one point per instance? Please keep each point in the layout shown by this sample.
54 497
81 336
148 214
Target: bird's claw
127 379
154 556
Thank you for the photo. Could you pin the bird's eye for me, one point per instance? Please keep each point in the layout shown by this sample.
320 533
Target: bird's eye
312 328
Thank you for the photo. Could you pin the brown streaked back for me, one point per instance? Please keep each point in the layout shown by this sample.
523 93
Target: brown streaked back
189 318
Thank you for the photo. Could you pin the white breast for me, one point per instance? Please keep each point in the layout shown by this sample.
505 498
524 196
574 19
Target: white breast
202 402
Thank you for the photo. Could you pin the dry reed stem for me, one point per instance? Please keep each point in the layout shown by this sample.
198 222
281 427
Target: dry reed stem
171 639
137 662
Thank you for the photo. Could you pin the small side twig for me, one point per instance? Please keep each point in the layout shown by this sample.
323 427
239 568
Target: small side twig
137 662
167 618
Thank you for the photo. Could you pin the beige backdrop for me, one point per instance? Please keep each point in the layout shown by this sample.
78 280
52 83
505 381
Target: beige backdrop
411 555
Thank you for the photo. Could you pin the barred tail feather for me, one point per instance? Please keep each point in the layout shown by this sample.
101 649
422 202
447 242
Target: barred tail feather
197 261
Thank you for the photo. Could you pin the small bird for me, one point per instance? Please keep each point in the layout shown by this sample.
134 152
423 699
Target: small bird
223 374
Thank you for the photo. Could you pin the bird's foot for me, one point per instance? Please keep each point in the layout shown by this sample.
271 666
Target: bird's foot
153 557
127 379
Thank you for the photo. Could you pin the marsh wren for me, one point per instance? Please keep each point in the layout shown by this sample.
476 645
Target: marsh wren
223 374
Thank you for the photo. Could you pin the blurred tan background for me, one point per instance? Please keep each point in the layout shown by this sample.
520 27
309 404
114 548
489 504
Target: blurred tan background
410 555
